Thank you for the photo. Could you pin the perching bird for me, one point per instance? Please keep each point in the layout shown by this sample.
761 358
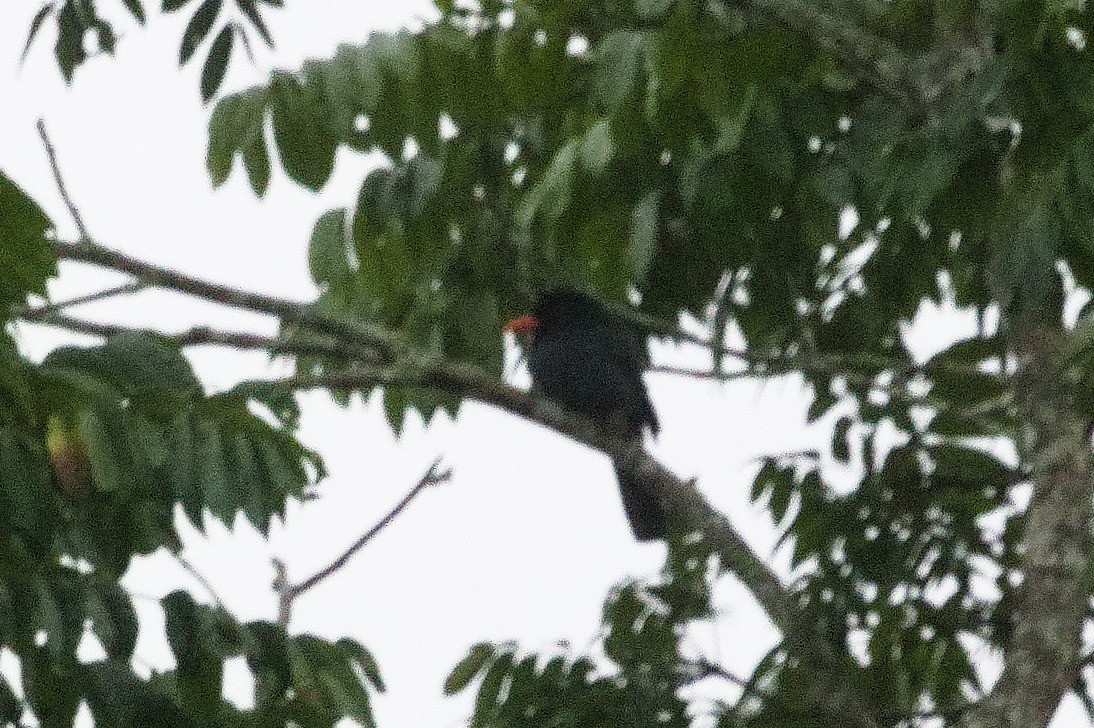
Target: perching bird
590 361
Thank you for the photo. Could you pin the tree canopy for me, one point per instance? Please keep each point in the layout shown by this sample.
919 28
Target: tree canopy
799 176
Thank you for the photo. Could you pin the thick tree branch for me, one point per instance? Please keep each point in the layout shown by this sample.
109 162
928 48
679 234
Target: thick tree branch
87 250
287 592
829 693
388 346
1042 658
360 343
685 503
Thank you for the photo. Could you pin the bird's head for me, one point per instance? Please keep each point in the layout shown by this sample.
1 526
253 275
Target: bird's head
555 306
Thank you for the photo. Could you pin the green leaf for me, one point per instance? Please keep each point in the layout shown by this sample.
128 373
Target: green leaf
781 490
256 161
198 28
620 57
136 9
327 252
106 469
11 708
550 196
25 255
596 147
354 79
118 697
468 668
237 125
823 400
183 469
148 365
69 49
731 126
200 669
300 118
969 469
320 664
35 25
841 449
49 618
645 220
25 491
387 265
486 700
108 41
396 404
652 9
216 64
969 351
113 619
767 477
286 476
51 687
365 660
147 370
18 404
250 9
248 479
217 489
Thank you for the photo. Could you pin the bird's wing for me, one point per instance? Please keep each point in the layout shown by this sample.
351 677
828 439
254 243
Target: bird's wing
632 360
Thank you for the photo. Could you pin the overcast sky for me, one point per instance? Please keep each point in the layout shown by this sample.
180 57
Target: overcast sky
527 538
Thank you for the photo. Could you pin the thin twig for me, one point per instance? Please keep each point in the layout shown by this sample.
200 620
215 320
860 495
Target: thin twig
201 336
33 312
432 477
200 578
390 345
361 333
287 592
779 363
59 180
469 381
711 669
720 376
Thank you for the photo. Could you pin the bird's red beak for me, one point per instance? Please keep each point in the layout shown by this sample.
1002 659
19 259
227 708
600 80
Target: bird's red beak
522 324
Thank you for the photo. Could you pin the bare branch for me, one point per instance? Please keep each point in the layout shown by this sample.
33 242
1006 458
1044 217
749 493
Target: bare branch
288 593
38 312
192 570
58 179
433 476
706 668
360 333
201 336
829 691
781 363
389 346
720 376
404 364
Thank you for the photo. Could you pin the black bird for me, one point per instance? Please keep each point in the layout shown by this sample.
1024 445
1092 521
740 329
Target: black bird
590 361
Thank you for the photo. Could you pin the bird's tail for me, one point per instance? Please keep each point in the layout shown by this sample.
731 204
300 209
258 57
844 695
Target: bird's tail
644 510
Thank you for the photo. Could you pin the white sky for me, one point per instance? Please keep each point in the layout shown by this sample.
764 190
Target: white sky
529 535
